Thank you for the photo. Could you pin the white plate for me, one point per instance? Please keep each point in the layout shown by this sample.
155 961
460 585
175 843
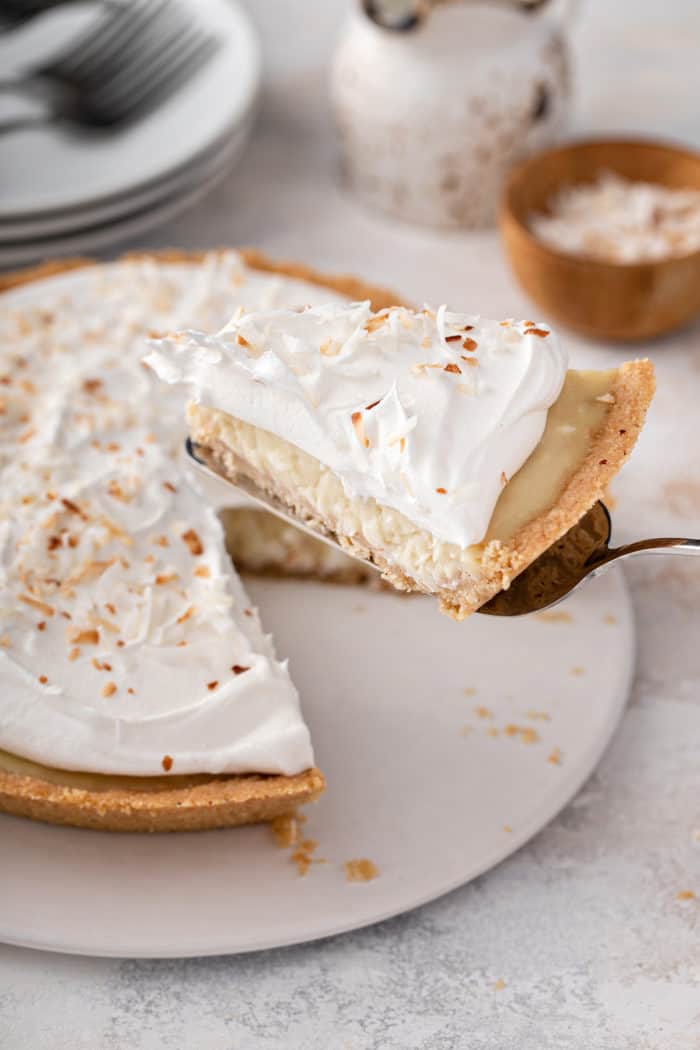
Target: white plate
383 679
50 168
71 221
200 182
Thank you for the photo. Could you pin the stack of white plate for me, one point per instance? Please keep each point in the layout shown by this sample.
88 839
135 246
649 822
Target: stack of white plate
65 189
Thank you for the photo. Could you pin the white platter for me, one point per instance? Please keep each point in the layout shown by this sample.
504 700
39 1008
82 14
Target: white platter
199 183
383 681
47 169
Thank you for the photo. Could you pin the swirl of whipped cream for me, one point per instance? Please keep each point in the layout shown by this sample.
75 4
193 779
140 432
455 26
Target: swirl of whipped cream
428 413
125 634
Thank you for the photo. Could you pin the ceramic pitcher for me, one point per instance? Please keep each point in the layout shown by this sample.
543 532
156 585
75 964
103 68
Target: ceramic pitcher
430 118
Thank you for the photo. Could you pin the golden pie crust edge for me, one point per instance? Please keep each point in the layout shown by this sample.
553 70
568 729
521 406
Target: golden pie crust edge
194 805
612 445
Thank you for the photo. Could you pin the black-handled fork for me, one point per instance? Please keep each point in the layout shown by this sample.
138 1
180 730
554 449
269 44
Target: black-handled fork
116 70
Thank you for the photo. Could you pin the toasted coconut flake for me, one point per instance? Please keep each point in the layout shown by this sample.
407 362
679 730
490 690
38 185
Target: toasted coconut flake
165 577
541 332
211 686
115 490
330 348
452 338
368 408
469 343
74 653
107 625
161 541
441 491
453 368
359 428
84 636
373 323
43 679
239 669
35 603
242 341
189 611
73 508
193 542
167 762
109 689
169 486
203 571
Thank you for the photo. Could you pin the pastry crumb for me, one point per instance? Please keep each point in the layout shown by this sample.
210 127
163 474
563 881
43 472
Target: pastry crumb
483 712
578 672
685 895
470 691
360 870
167 763
554 757
609 618
302 855
554 617
499 985
286 829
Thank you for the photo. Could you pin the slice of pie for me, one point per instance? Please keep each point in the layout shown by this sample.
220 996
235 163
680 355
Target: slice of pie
447 449
138 691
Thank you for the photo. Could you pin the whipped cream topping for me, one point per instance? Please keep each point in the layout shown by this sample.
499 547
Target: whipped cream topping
127 642
428 413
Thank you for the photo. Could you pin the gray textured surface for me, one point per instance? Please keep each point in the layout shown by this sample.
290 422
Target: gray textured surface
583 926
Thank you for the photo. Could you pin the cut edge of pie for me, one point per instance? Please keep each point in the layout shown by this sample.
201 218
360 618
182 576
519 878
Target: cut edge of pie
631 391
193 803
462 580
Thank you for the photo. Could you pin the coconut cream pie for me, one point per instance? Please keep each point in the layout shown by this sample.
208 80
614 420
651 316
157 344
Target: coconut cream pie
448 449
138 690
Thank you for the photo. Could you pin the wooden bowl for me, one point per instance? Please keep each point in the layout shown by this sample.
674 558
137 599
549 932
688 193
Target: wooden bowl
605 300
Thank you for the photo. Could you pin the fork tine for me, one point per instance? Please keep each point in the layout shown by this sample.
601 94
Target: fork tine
172 74
91 57
80 50
152 45
157 51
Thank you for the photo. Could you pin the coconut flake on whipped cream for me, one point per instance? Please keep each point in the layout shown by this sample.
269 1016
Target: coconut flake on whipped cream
125 634
427 413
